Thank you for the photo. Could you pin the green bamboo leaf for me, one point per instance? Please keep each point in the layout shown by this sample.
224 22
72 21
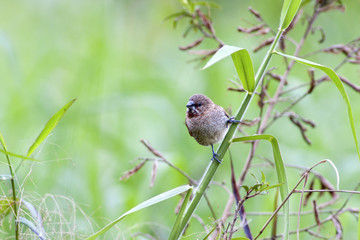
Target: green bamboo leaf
18 156
288 12
175 15
242 62
257 187
50 125
263 179
2 141
159 198
336 80
280 170
273 186
245 187
176 230
255 178
188 5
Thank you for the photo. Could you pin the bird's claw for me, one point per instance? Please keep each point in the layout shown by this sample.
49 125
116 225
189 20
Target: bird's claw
214 157
232 120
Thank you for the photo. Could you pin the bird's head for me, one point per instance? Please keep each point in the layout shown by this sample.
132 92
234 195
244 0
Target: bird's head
198 104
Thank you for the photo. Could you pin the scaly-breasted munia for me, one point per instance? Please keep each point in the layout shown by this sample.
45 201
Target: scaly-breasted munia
206 121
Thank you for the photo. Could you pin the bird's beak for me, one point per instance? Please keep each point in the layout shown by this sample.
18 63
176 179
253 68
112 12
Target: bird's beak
190 105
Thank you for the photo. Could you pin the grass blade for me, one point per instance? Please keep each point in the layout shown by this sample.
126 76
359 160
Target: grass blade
18 156
208 235
242 62
159 198
336 80
50 125
280 171
288 12
176 230
36 217
32 227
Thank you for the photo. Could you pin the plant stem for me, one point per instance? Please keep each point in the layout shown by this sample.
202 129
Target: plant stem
212 167
287 198
15 209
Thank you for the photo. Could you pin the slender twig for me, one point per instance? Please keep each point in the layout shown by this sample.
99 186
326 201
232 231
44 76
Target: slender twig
300 204
331 211
239 205
190 179
163 159
322 222
287 197
201 221
328 190
278 92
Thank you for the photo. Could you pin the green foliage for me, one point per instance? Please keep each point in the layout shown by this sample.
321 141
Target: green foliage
50 125
5 207
53 52
242 63
176 230
37 226
159 198
190 5
259 187
209 234
288 12
280 171
18 156
250 83
336 80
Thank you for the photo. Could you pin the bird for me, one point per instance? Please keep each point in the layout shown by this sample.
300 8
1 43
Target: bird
207 122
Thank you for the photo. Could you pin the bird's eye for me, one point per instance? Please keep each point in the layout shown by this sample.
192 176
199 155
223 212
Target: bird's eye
198 105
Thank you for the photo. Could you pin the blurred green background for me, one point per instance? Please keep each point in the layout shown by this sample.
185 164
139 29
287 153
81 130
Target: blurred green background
121 61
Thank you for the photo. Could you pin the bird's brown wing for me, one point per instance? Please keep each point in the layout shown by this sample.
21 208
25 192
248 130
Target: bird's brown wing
226 114
188 128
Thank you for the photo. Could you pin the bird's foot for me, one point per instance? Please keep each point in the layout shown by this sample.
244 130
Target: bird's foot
215 155
232 120
215 158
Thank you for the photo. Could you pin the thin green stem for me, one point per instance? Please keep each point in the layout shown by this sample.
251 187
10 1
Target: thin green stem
224 146
14 206
16 213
